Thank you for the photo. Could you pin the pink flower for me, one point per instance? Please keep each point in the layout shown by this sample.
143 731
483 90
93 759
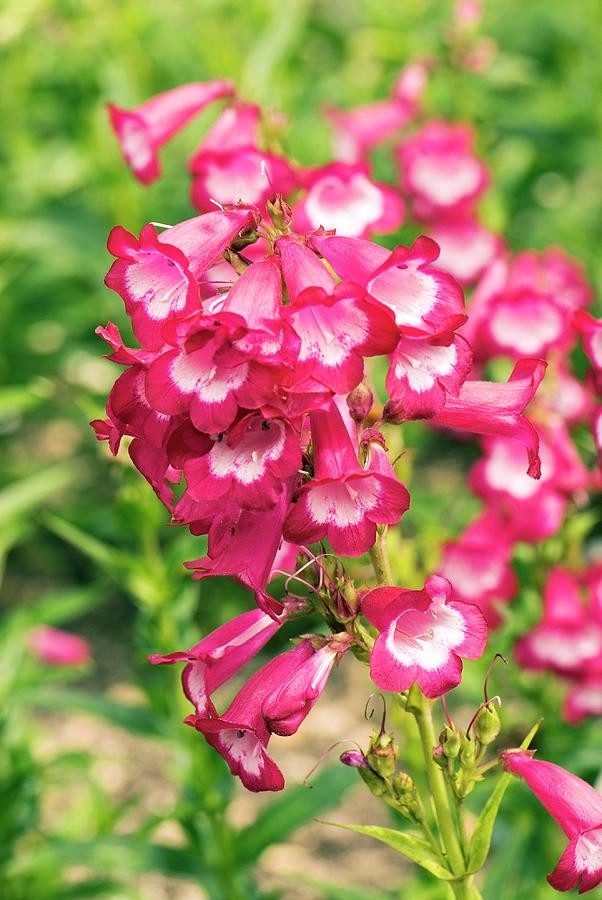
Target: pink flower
248 466
220 655
577 808
336 331
484 407
143 130
440 171
422 373
467 247
591 334
478 566
274 700
584 699
244 175
423 298
344 197
156 275
343 501
243 544
568 639
423 635
58 648
358 130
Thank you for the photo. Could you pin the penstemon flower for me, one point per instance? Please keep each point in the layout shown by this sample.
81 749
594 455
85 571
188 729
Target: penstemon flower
281 352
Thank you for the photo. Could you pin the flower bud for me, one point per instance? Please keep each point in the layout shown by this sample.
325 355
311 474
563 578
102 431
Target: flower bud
393 413
468 752
354 759
382 754
487 724
404 791
360 402
280 213
439 757
449 740
376 785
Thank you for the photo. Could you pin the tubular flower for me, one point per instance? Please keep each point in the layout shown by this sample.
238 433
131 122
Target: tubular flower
220 655
440 171
143 130
467 248
577 807
56 647
423 635
343 501
345 198
275 700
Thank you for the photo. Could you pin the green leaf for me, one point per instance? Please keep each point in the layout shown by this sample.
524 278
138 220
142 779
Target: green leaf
294 808
481 837
21 497
61 606
133 718
126 854
411 845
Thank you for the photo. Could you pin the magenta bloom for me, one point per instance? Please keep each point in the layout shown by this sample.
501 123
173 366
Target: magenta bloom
423 635
440 171
343 501
143 130
58 648
345 198
478 566
467 247
423 298
577 807
275 700
484 407
220 655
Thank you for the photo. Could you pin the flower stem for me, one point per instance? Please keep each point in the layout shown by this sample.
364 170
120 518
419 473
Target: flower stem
420 708
380 559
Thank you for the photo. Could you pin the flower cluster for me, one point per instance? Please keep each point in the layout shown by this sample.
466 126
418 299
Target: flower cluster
249 404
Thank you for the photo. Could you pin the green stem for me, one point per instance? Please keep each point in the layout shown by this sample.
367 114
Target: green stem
380 559
420 708
464 889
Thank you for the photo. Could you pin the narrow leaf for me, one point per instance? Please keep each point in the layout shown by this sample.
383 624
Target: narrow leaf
411 845
136 719
481 838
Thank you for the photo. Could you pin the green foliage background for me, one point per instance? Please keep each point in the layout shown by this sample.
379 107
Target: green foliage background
84 539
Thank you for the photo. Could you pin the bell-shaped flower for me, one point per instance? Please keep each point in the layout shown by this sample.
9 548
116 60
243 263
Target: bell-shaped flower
423 298
276 699
343 501
220 655
248 466
478 566
287 706
568 639
336 331
577 807
344 197
423 371
552 272
440 171
246 175
525 322
584 698
243 544
143 130
467 247
485 407
156 275
302 268
423 637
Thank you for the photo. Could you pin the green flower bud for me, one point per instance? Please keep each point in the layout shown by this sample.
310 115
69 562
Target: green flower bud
450 740
382 754
468 752
487 724
376 785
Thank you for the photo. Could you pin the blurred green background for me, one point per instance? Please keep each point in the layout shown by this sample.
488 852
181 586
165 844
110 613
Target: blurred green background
84 541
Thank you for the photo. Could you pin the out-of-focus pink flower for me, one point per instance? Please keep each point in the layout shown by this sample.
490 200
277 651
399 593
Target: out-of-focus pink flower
568 639
58 648
468 12
342 501
478 566
577 807
220 655
423 298
439 170
423 635
467 247
143 130
343 197
584 699
484 407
